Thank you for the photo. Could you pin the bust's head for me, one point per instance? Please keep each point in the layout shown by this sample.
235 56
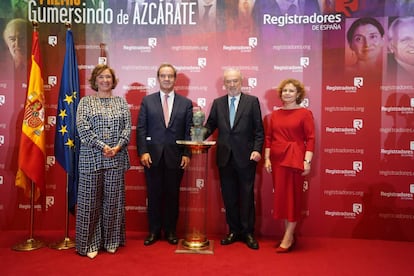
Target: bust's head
198 118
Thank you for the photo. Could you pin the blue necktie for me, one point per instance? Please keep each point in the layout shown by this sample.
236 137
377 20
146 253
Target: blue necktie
232 111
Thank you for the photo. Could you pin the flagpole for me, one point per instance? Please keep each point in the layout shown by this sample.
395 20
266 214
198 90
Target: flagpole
67 243
30 243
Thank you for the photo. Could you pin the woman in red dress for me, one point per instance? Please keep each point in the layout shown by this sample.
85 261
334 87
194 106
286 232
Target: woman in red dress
289 146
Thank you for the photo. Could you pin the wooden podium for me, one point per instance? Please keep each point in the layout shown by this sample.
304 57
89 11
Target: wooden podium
195 238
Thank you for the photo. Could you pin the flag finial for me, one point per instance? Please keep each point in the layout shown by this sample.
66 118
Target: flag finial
35 25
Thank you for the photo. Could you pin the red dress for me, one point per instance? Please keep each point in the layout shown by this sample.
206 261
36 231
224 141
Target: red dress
291 132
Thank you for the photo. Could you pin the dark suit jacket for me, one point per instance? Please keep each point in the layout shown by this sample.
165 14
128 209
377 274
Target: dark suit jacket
152 135
247 134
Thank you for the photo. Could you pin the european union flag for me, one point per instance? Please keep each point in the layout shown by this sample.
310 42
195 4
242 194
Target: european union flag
66 136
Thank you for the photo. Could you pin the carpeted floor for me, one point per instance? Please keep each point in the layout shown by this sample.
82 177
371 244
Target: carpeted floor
312 256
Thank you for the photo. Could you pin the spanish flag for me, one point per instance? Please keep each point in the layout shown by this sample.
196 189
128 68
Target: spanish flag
32 152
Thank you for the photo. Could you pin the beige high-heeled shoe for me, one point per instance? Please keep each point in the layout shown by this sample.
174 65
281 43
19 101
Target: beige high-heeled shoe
92 255
112 250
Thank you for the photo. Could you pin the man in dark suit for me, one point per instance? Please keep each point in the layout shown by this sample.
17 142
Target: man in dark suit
239 147
164 118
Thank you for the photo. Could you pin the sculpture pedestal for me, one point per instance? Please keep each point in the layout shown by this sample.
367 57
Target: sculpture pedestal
195 238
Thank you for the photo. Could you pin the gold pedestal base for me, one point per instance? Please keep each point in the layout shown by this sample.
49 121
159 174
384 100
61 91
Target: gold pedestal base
67 243
30 244
189 247
196 244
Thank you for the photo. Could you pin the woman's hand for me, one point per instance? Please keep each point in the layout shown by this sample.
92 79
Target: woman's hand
107 151
268 165
306 168
111 152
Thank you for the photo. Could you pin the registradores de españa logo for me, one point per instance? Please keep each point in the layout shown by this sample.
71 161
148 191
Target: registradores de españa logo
356 210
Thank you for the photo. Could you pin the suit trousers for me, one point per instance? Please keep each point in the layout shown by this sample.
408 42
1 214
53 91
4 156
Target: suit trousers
163 189
237 188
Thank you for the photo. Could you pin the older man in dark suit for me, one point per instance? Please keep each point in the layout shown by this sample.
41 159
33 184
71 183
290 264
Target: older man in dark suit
238 118
164 118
